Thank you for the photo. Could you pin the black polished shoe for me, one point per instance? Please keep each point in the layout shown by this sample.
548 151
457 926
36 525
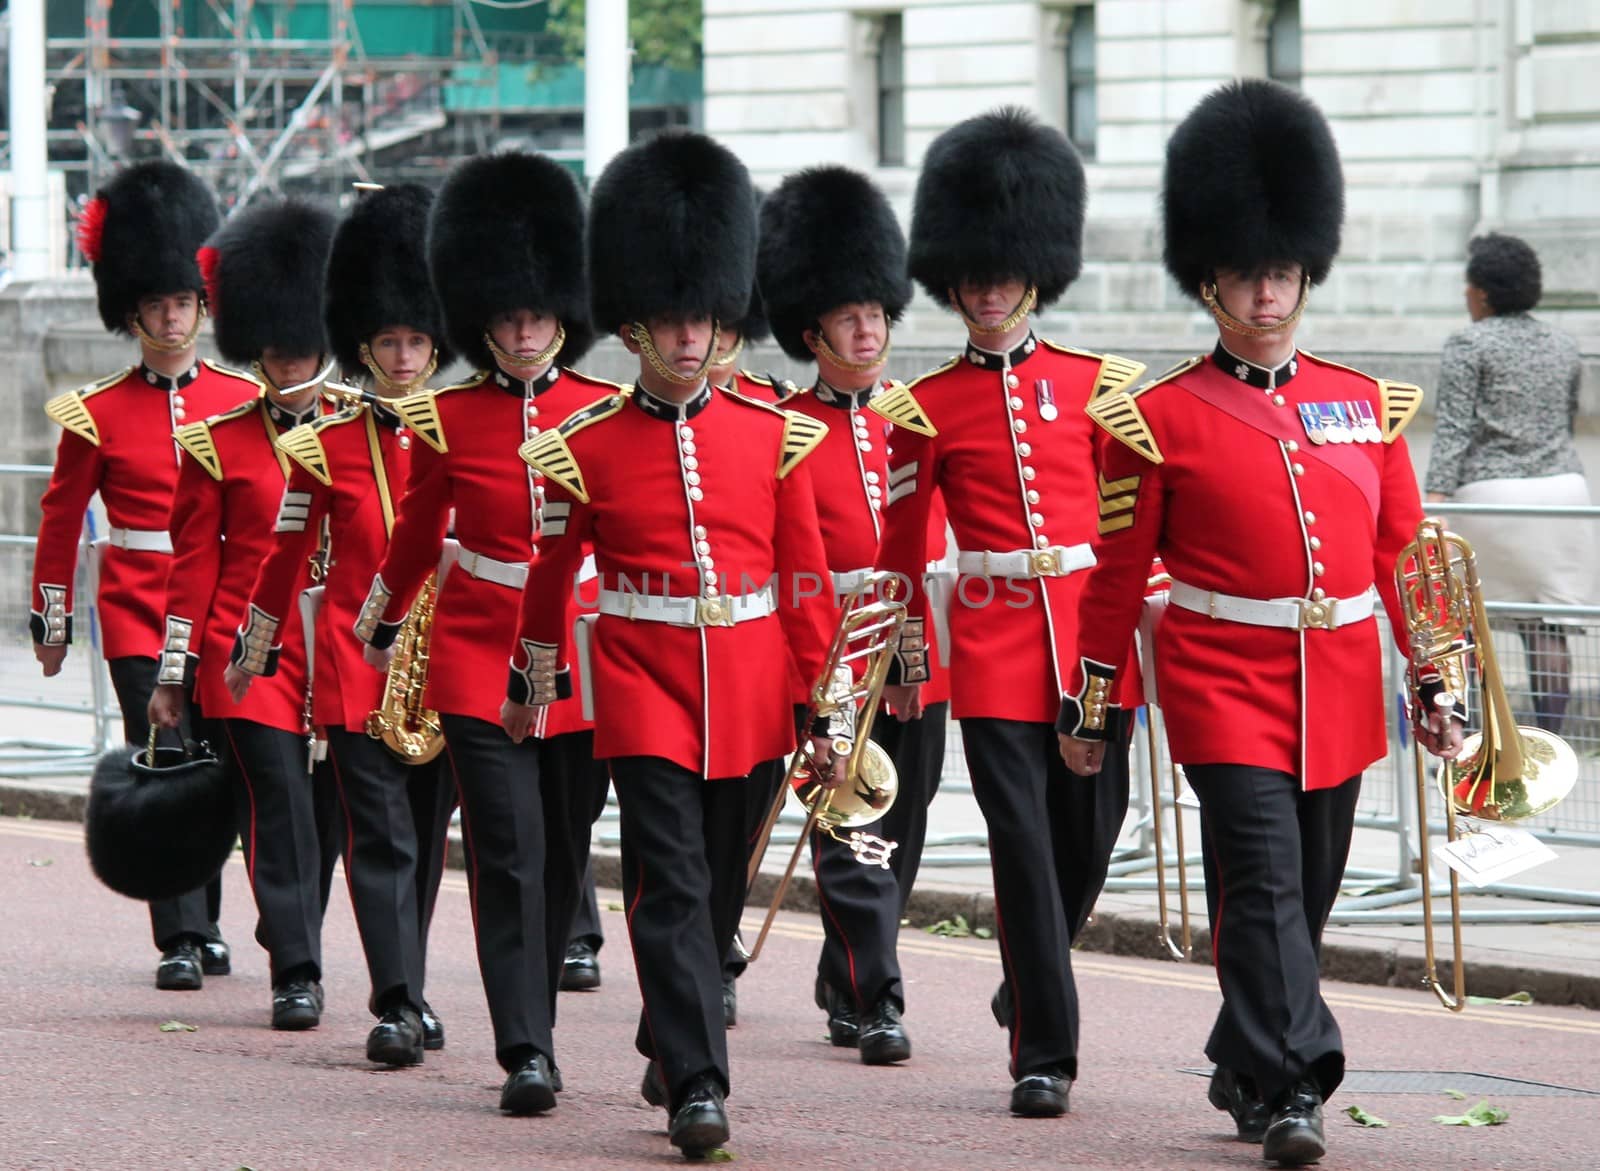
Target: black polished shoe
296 1005
883 1039
1294 1136
215 958
580 971
844 1031
1041 1094
653 1088
1237 1095
529 1090
1000 1006
699 1124
397 1038
432 1028
556 1081
730 1001
180 969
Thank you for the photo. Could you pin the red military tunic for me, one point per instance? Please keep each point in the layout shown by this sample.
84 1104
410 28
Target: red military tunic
116 441
1220 478
1003 436
231 488
350 467
764 388
467 459
710 501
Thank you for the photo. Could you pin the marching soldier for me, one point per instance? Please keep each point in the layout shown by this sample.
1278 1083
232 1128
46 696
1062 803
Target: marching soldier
348 470
996 231
264 280
832 260
1275 533
506 255
140 233
704 531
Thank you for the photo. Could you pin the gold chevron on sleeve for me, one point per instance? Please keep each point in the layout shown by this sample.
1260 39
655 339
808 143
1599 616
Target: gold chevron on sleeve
196 439
900 407
302 445
549 454
801 434
1117 500
1119 416
68 411
420 412
1399 402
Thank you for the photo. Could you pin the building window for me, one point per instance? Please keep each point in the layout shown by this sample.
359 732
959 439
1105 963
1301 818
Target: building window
1283 43
1082 120
891 92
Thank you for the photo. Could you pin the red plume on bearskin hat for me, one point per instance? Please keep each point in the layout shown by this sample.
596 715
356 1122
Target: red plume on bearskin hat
266 280
1252 178
140 233
828 238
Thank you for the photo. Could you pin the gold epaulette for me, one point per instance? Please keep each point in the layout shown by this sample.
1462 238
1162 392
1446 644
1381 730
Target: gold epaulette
1117 414
303 445
68 412
1115 373
801 434
900 406
549 454
195 438
745 400
604 384
420 412
1398 402
230 372
782 387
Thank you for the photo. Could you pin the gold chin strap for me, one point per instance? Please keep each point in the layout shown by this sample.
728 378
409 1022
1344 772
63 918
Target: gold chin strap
724 360
543 358
398 389
160 346
824 350
647 347
265 379
1029 302
1208 294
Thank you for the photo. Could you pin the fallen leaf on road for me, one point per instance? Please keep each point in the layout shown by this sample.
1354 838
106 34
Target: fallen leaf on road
956 928
40 861
983 933
178 1027
1513 998
1362 1118
719 1155
1482 1114
1458 1095
613 906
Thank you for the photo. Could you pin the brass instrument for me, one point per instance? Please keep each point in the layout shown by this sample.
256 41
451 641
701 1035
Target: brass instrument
409 728
868 629
1505 773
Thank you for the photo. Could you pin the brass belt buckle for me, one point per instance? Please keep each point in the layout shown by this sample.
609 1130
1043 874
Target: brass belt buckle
713 612
1316 615
1046 563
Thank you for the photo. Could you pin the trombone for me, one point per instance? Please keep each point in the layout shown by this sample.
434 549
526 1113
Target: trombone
1506 772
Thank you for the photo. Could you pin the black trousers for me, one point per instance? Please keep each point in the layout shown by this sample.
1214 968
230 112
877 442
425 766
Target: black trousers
1051 834
586 921
329 817
761 790
683 866
283 853
380 864
917 749
193 915
431 791
1274 856
525 817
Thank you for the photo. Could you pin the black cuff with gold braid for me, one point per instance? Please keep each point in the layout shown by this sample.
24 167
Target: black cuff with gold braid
51 626
177 662
910 663
1085 715
254 651
540 682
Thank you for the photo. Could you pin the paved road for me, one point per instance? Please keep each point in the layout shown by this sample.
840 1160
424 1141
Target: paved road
88 1080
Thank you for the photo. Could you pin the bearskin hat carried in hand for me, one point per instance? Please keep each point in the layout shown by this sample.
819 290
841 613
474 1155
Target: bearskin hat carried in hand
156 832
672 233
1001 197
264 271
1252 178
828 238
378 276
506 233
140 234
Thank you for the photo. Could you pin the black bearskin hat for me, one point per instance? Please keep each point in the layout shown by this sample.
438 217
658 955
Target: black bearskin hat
377 275
264 271
753 326
1000 197
1252 178
506 232
672 233
828 238
140 233
158 832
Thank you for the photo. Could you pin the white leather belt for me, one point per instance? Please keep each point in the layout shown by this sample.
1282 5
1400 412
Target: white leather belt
720 611
1284 613
1056 561
511 574
854 579
140 540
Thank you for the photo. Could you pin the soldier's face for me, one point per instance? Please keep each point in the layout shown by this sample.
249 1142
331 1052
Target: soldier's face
991 302
169 317
401 352
683 342
289 369
1263 297
523 332
857 332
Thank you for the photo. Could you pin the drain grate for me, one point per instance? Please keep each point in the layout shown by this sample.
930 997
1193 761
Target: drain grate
1429 1081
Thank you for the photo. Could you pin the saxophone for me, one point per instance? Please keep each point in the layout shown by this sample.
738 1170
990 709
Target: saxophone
407 727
